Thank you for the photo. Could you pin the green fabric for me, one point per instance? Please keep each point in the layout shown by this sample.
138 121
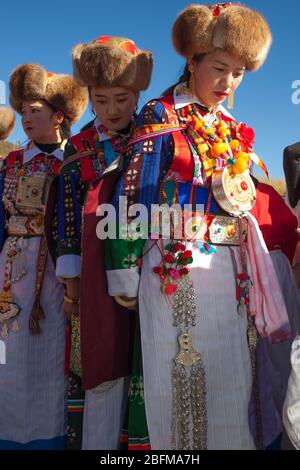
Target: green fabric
135 425
123 254
169 188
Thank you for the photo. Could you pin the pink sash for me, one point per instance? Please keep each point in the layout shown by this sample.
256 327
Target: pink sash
266 300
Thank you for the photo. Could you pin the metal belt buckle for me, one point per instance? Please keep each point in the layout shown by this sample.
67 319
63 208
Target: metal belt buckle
17 225
225 230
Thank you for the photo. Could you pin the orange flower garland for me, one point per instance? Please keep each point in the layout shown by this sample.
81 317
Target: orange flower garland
232 144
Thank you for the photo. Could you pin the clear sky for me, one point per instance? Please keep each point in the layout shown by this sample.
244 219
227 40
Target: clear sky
45 32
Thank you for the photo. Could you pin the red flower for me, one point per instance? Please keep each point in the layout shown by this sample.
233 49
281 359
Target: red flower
216 11
186 254
169 259
246 134
184 271
170 289
242 276
157 270
178 247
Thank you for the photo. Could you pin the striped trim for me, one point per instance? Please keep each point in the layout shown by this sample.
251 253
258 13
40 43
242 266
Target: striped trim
139 443
78 156
134 443
148 132
75 406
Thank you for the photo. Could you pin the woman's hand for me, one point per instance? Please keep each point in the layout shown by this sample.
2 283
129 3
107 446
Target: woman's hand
131 303
72 298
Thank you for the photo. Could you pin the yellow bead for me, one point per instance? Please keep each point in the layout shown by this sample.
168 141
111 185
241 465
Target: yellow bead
202 148
199 124
210 131
234 144
239 167
218 149
242 156
223 135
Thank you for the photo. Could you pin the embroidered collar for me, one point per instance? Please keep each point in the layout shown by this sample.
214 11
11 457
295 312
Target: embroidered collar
183 97
32 151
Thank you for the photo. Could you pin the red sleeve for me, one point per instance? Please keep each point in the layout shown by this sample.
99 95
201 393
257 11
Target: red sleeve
276 221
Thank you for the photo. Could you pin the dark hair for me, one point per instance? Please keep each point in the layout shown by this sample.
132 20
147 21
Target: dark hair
65 126
185 76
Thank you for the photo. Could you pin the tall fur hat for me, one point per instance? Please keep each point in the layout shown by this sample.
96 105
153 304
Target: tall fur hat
33 82
112 62
7 122
236 29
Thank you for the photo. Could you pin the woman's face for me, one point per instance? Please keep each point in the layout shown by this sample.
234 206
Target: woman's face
114 106
216 76
40 122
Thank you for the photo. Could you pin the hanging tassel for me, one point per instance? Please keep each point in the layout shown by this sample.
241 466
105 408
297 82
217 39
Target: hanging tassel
4 330
180 408
36 315
37 312
206 248
198 405
15 326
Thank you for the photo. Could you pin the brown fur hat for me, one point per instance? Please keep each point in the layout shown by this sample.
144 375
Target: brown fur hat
236 29
32 82
112 62
7 122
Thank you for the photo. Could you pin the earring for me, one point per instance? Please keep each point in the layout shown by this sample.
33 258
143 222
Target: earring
192 83
230 100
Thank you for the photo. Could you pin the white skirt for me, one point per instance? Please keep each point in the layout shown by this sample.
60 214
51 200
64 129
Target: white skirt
220 336
104 413
32 382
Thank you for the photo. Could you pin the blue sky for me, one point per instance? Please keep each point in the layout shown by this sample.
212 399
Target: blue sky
45 33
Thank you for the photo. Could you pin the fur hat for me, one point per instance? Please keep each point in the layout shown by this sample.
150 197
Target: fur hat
236 29
112 62
7 122
32 82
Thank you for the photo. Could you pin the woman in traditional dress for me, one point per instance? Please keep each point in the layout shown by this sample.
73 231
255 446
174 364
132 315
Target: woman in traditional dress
278 225
292 176
115 71
199 314
32 379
